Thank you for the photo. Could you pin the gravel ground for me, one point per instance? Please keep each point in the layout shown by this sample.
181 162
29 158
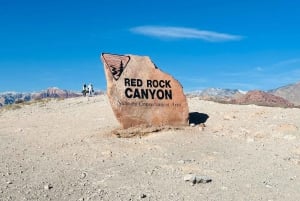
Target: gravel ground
65 150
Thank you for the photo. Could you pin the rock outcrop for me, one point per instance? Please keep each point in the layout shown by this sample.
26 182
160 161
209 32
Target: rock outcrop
262 98
141 94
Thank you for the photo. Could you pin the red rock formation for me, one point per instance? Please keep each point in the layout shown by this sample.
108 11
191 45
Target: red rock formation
262 98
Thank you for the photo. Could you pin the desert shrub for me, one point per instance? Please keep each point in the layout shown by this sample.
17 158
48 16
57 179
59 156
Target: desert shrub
11 107
19 101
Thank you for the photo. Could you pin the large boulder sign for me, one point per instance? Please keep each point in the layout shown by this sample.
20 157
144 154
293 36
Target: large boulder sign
141 94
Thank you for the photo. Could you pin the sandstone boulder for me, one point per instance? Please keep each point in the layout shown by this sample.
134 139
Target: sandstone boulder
141 94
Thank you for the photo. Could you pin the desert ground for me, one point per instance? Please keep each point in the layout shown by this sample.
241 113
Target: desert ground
65 150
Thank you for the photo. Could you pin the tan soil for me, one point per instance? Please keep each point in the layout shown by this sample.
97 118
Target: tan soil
65 150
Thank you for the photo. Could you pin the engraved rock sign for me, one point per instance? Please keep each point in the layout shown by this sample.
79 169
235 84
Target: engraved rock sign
141 94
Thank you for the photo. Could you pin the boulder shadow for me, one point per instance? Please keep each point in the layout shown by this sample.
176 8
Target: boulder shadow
197 118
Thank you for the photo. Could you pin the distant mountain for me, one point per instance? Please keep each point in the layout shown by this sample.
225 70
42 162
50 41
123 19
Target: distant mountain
234 96
217 94
55 92
290 92
8 98
262 98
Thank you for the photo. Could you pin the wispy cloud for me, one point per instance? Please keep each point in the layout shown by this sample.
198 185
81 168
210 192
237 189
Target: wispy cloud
288 62
183 32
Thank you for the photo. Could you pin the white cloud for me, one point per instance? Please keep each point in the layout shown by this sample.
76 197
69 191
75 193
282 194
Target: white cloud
183 32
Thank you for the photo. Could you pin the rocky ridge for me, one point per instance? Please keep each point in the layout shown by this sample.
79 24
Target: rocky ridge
8 98
289 92
216 94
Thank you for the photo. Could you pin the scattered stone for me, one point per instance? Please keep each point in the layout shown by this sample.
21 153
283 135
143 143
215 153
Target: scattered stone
48 187
192 125
83 175
141 94
195 179
9 182
185 161
268 186
189 177
203 179
181 162
143 196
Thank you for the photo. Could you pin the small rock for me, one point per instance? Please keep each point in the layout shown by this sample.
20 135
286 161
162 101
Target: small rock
190 178
192 125
185 161
83 175
143 196
48 186
195 179
181 162
9 182
203 179
81 199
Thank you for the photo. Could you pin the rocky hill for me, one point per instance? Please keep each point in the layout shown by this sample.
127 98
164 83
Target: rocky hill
286 96
8 98
216 94
262 98
290 92
55 93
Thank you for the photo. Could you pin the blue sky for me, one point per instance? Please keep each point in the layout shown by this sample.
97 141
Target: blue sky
226 44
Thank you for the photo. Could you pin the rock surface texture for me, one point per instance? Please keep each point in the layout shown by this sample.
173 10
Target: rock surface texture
141 94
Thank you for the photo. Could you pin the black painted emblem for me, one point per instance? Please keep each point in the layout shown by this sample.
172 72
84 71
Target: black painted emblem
116 63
